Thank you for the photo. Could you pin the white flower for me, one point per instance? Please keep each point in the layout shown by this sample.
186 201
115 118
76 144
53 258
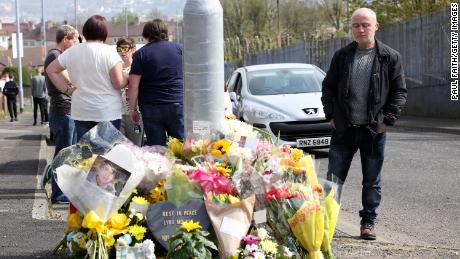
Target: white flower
262 233
258 255
287 253
149 249
251 248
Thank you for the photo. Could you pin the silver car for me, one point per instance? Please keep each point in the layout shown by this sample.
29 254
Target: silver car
284 100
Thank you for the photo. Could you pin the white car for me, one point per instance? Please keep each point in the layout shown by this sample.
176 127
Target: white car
284 100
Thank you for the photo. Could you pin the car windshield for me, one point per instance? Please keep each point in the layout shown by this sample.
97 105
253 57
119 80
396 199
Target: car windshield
285 81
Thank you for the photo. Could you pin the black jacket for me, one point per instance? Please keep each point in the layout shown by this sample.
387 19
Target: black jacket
387 92
10 90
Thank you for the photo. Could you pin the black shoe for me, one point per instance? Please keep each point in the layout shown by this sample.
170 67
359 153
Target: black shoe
35 124
60 200
368 232
11 120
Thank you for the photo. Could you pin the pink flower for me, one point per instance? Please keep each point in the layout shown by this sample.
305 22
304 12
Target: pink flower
250 240
210 182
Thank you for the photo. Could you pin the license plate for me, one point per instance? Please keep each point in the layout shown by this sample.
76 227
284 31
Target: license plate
313 142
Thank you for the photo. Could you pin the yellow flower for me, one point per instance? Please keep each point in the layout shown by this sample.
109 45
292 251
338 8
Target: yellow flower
221 147
137 231
109 240
73 222
82 243
140 200
176 146
93 221
161 183
157 194
221 198
87 163
118 223
223 171
190 225
296 154
269 246
232 199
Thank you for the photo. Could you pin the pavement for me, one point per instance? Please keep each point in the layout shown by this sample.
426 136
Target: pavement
413 123
25 152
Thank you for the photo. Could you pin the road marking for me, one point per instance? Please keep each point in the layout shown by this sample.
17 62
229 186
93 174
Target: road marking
40 206
16 131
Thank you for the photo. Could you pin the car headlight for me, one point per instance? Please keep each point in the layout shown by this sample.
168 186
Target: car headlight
260 113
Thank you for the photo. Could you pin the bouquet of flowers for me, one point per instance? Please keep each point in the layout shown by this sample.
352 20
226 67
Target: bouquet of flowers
231 221
190 242
258 244
91 236
331 203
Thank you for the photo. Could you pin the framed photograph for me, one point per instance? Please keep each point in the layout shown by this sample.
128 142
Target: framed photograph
108 176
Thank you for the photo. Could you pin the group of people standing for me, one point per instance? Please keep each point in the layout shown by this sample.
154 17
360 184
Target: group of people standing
90 83
362 95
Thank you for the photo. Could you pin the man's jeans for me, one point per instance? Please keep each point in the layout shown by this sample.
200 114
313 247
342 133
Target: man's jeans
371 149
81 127
63 128
162 119
40 103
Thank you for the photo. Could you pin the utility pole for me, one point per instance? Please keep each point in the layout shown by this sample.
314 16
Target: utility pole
126 21
75 14
18 49
44 26
177 26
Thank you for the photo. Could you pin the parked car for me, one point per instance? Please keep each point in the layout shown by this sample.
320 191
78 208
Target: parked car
284 100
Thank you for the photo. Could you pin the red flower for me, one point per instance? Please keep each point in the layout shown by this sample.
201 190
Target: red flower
72 209
278 193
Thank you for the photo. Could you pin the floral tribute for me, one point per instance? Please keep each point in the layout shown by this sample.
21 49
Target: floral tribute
238 172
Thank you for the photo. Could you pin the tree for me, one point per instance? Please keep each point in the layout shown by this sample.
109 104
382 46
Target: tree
121 18
156 14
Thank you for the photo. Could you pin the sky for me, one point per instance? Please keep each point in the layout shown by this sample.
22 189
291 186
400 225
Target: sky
60 10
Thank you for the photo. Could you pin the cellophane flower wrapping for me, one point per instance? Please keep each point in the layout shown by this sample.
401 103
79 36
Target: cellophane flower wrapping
231 223
73 164
331 203
180 189
307 224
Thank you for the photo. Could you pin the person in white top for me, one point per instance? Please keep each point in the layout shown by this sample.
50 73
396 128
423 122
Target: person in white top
95 71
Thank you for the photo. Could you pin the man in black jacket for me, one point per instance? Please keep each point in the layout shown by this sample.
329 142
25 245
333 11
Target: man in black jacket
11 90
363 93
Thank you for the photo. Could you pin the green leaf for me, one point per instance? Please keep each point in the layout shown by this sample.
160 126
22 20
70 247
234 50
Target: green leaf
176 243
207 243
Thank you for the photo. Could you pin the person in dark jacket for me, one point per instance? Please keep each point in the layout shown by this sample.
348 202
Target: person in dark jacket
156 85
11 90
363 93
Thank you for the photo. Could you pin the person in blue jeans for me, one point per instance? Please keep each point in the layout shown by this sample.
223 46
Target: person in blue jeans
61 125
95 70
156 85
363 93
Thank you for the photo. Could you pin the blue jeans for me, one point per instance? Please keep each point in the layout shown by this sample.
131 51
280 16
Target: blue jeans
81 127
371 149
63 128
162 119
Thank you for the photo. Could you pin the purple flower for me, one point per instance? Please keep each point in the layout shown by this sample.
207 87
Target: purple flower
250 239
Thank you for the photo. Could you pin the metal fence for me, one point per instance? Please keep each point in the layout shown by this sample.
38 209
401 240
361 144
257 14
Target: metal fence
424 44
